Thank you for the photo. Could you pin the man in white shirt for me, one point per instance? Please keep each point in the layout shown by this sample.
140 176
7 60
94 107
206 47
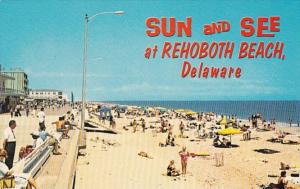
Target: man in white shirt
41 115
9 143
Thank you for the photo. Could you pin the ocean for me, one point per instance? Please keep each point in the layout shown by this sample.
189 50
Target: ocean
282 111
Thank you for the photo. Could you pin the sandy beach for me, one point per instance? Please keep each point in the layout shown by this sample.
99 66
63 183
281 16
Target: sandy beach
119 166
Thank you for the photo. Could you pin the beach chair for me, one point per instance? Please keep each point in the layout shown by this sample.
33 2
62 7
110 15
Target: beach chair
219 159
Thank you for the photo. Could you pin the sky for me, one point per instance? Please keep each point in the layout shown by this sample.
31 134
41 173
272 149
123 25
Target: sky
45 38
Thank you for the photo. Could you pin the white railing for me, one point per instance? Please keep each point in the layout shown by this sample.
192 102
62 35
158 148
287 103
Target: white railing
35 160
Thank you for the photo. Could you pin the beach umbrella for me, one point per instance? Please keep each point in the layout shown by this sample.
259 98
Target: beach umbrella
223 121
229 131
190 113
183 110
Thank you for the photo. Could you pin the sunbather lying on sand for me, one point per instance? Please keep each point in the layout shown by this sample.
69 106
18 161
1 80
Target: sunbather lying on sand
144 154
217 140
225 143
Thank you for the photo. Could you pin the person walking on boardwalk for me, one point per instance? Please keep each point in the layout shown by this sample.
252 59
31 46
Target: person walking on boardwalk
42 116
27 111
9 143
12 112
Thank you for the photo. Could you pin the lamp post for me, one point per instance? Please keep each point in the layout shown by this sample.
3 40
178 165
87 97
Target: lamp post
85 60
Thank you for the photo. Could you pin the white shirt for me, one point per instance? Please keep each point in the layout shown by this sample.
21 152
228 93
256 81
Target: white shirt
41 115
9 135
3 170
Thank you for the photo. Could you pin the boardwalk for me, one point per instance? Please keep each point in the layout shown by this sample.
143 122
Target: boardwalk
58 171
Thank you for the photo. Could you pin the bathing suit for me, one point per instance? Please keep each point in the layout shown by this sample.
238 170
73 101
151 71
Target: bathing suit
184 157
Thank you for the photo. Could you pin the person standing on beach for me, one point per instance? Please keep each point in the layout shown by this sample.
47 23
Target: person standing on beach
184 158
134 125
181 128
111 119
290 121
143 125
9 143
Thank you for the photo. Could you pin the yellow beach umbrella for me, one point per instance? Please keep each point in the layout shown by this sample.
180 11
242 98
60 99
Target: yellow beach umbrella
223 121
229 131
181 110
190 113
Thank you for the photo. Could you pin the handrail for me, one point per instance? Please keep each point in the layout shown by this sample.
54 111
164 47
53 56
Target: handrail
35 160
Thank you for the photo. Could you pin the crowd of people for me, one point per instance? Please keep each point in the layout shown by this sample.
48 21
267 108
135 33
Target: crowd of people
206 125
7 153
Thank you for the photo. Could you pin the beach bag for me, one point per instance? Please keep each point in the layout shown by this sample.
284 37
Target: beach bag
7 182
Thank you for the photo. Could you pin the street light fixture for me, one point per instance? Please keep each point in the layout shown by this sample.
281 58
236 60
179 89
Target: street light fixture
85 60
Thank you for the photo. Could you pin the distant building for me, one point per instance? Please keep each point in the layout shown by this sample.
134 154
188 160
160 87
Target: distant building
4 93
14 87
47 95
19 85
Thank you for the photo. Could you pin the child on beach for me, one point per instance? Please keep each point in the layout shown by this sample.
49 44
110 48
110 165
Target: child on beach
184 158
171 170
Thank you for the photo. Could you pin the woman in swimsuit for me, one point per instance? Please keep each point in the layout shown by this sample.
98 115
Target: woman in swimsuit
184 157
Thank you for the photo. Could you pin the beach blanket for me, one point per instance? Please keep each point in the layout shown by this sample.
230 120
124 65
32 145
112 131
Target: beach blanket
266 151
